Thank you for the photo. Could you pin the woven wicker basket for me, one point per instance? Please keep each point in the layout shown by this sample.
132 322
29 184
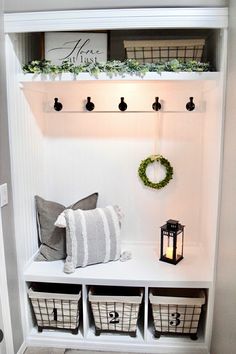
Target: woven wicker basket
115 313
152 51
55 310
176 310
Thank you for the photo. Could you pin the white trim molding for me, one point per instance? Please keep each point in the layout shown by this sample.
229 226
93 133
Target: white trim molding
22 348
4 298
104 19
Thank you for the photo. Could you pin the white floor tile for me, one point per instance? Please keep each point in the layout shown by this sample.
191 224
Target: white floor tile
72 351
39 350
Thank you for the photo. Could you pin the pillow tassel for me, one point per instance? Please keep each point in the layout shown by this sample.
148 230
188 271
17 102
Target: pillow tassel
69 267
61 220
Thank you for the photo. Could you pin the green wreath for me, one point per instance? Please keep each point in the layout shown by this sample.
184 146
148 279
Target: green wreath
164 162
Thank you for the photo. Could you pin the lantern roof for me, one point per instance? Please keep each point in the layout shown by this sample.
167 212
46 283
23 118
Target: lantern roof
178 229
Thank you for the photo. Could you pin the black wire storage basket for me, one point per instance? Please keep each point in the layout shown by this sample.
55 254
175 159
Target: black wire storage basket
56 306
176 311
115 309
151 51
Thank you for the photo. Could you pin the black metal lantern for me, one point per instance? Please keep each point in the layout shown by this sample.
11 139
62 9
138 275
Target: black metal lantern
172 242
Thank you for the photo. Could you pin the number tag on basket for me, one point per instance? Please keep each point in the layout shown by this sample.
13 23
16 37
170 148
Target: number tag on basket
114 316
175 319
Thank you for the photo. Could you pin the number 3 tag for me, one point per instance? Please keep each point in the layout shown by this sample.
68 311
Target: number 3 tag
175 319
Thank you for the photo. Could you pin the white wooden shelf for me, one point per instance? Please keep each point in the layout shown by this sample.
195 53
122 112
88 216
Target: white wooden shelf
58 85
114 337
182 344
26 79
144 269
165 344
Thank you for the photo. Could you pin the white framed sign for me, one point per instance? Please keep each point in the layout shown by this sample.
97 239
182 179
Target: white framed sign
77 47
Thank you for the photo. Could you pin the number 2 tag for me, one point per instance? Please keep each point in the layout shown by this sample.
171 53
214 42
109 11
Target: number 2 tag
114 317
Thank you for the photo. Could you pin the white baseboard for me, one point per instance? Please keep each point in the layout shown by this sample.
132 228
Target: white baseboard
22 348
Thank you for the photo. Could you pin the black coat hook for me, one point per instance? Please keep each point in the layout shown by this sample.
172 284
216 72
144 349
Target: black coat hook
190 106
89 105
57 105
122 105
156 106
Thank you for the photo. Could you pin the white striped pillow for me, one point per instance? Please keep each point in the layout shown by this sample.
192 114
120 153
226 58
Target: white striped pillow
92 236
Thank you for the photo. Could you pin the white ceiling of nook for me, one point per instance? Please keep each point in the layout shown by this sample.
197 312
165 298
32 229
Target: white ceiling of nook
45 5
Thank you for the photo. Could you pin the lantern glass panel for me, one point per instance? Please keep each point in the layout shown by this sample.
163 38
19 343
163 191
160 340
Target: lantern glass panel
168 246
179 249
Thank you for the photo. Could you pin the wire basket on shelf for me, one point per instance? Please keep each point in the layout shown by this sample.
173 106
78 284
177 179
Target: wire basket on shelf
176 311
56 306
115 310
151 51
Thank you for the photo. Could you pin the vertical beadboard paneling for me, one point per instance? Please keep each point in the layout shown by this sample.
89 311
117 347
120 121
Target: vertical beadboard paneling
102 152
26 146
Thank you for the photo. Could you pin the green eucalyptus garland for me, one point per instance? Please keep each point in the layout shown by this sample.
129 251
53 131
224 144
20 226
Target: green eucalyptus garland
114 68
164 162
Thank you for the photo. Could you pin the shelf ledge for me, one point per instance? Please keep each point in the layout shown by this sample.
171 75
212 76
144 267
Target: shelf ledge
150 76
182 345
144 269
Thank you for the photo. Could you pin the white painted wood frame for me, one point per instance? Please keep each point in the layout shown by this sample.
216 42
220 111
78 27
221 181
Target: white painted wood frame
116 19
215 18
4 298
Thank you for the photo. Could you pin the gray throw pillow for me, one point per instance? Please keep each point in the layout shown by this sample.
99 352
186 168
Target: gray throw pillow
92 236
52 238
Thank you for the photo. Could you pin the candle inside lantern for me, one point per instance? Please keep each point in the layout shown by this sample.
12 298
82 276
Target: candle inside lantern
169 252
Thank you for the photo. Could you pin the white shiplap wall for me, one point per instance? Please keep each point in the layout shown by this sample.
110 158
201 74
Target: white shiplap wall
102 152
26 148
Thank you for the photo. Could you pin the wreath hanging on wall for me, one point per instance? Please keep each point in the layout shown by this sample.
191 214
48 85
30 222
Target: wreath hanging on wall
143 168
